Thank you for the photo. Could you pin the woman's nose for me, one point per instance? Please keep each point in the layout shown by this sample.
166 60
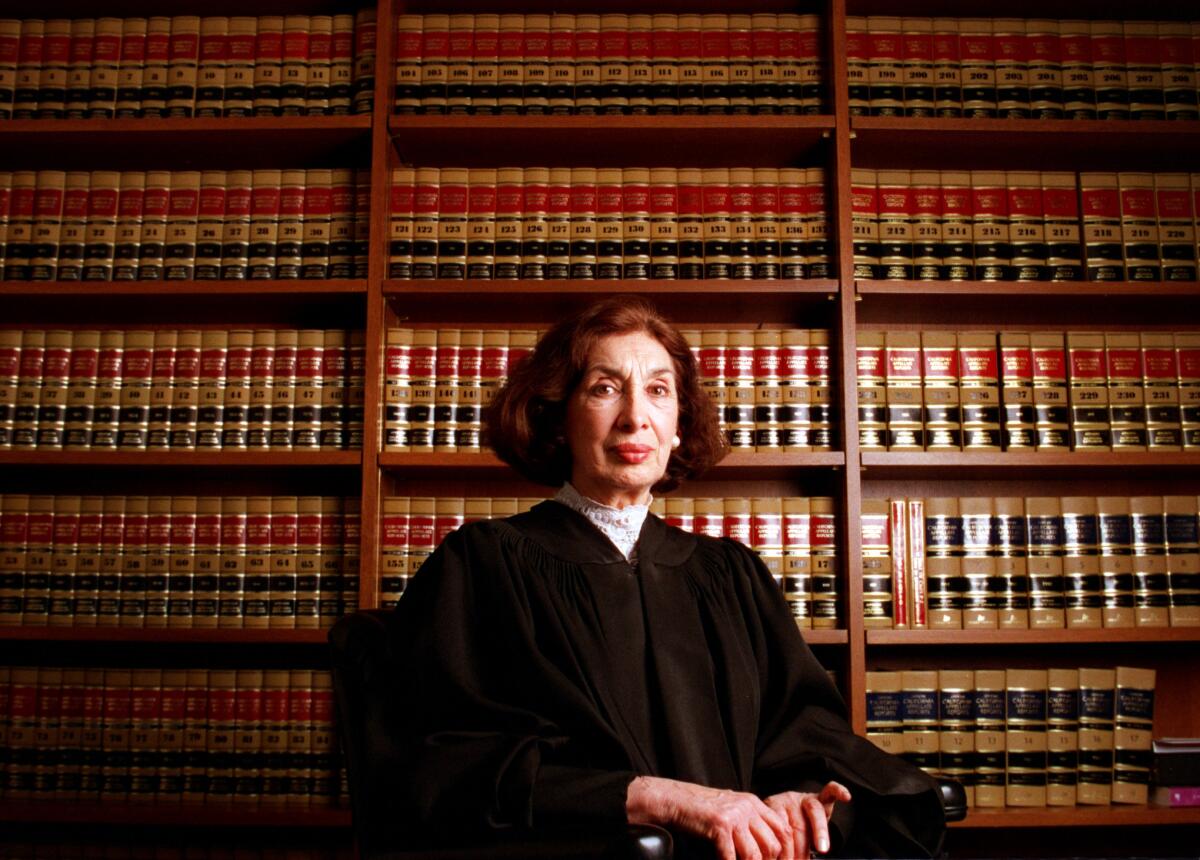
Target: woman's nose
633 410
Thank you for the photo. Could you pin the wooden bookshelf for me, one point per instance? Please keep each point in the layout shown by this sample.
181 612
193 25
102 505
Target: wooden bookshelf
174 815
164 635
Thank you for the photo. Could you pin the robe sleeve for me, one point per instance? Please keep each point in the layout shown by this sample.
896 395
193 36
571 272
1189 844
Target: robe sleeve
471 748
805 738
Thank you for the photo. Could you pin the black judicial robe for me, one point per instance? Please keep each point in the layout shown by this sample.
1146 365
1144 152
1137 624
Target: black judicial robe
539 673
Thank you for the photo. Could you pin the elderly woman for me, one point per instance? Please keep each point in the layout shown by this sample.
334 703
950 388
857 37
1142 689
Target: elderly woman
584 663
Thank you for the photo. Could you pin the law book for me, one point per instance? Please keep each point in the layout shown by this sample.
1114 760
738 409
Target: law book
265 203
1051 411
256 606
10 366
39 550
22 732
980 604
1127 394
947 68
212 58
158 549
824 562
55 60
1091 426
64 560
220 733
181 545
342 64
895 214
741 224
29 386
1187 353
268 65
865 222
800 232
1143 67
283 551
871 391
980 392
1102 226
1079 81
282 401
55 383
182 66
1047 564
739 384
99 249
1062 736
152 241
1045 68
356 389
131 65
195 736
902 357
181 400
85 599
325 783
1010 590
206 564
943 531
422 380
1176 226
231 563
991 226
273 737
133 559
1178 70
956 728
90 734
535 62
210 225
926 224
770 413
145 715
1060 206
1109 66
74 225
10 51
885 721
1011 45
1132 735
885 66
978 59
1183 560
446 385
112 535
858 65
990 738
1083 581
162 364
393 561
46 733
69 742
1026 694
133 414
294 65
28 68
400 241
169 740
468 431
289 241
878 543
1026 215
19 237
1151 593
248 754
819 379
1097 707
300 737
797 557
116 741
435 61
1139 227
47 224
916 67
958 227
941 375
919 714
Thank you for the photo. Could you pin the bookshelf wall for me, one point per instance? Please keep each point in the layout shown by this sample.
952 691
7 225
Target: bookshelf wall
835 141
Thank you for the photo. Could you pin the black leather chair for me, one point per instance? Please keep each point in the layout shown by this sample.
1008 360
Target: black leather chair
361 659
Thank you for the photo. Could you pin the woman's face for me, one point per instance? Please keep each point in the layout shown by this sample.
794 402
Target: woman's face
621 419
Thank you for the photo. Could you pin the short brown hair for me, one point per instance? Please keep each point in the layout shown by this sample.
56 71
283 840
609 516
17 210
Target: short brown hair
525 423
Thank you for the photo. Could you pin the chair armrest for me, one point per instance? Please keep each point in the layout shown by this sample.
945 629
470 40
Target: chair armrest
954 799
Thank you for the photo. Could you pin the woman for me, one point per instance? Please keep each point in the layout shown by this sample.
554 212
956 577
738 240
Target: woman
584 663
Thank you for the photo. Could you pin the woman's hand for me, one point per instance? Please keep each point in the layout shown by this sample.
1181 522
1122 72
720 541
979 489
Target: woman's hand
807 816
739 825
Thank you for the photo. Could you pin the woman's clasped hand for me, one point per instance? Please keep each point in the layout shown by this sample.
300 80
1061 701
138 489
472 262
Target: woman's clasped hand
741 826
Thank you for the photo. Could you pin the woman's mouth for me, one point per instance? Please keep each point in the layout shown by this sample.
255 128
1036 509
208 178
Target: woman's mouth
631 453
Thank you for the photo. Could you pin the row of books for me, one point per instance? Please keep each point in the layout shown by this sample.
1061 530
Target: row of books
251 736
1018 68
184 225
609 64
796 537
1037 562
1028 391
993 225
178 561
185 66
182 389
1021 737
605 223
78 848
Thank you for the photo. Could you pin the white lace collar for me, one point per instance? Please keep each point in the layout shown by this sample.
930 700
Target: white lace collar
620 525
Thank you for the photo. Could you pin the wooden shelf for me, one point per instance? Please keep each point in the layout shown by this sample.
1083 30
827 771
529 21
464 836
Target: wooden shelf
173 815
825 637
679 6
1014 143
168 289
930 464
243 142
1029 288
735 465
599 141
164 635
1060 636
1097 9
186 459
1116 815
729 302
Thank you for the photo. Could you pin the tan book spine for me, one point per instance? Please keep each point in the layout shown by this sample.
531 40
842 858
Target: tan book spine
116 740
70 734
468 431
299 737
46 733
741 224
1050 393
397 392
895 202
1082 579
1176 225
152 240
864 207
172 725
91 734
285 520
268 62
768 390
130 68
1079 82
927 211
22 732
308 562
919 709
858 65
1011 591
797 557
306 411
739 388
210 224
1062 736
795 411
195 737
1115 539
446 388
978 57
283 389
1060 206
29 388
74 226
1089 396
819 378
182 66
52 81
1097 704
796 223
979 565
1187 353
1012 67
943 562
10 367
39 553
248 753
256 604
902 359
31 49
1133 734
1151 592
1183 559
422 379
274 737
81 389
824 563
336 389
331 599
212 59
235 396
145 712
766 534
265 198
1178 70
956 728
1139 227
1110 70
86 595
14 536
1025 737
55 385
290 228
182 229
181 570
158 560
325 781
1101 204
356 389
400 223
877 565
136 382
818 248
1160 383
341 65
393 551
351 559
941 393
294 65
182 396
133 561
221 736
112 535
1045 69
990 747
885 719
19 238
206 580
162 367
978 363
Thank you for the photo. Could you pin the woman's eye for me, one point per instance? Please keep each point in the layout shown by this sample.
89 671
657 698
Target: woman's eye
603 389
660 390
